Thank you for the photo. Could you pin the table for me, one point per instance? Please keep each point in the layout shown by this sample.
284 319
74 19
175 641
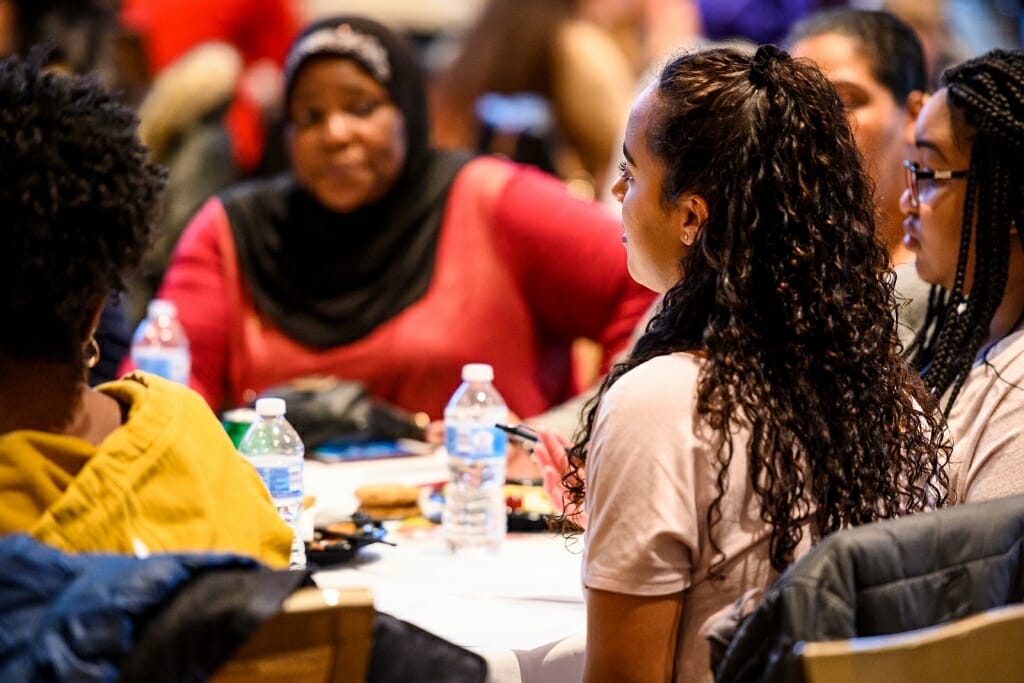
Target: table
524 596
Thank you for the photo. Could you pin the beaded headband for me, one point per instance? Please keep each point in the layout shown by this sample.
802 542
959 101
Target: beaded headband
343 41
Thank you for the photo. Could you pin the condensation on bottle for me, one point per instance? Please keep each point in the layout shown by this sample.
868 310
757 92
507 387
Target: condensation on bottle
474 515
160 345
274 448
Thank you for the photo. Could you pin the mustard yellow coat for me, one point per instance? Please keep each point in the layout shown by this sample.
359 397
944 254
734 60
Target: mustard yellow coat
169 478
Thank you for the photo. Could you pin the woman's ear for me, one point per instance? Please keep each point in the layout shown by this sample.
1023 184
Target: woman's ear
692 212
94 319
912 107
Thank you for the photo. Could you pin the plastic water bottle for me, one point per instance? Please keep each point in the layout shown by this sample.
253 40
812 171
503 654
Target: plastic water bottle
274 448
474 510
160 345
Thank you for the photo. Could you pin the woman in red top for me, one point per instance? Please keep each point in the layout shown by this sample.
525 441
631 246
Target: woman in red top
381 260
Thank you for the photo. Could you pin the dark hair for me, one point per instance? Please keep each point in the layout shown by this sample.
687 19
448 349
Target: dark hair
513 49
526 29
889 44
988 94
78 201
788 295
81 33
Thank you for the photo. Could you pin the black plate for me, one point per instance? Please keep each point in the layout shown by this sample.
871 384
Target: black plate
333 548
527 521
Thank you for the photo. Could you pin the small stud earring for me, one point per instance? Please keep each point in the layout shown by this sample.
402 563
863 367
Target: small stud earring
91 354
688 238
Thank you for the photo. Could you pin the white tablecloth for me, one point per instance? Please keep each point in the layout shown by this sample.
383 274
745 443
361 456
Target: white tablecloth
524 596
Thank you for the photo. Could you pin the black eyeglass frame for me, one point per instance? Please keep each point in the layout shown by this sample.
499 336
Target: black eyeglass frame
913 173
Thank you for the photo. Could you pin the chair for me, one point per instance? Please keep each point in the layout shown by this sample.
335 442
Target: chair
319 636
884 580
983 647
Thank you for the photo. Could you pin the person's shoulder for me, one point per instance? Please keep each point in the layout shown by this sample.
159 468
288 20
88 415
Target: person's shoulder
484 179
487 168
139 387
670 369
667 380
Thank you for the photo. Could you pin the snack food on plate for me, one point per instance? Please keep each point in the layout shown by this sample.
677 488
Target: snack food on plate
388 501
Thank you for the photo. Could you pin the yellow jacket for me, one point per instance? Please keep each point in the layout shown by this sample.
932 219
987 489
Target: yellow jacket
169 478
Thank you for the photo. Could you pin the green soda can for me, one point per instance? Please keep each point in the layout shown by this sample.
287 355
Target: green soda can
236 423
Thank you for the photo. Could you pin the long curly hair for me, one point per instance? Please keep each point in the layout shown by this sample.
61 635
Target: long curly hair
988 94
788 296
79 202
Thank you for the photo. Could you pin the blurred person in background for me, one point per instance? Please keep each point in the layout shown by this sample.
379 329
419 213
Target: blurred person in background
932 21
182 122
379 259
260 30
83 35
139 464
543 48
876 64
964 207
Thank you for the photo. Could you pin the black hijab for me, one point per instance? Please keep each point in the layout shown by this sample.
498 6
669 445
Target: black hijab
327 278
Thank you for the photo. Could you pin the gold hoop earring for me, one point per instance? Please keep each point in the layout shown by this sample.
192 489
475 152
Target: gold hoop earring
92 353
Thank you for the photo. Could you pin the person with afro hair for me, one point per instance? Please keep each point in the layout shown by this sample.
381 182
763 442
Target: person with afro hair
136 465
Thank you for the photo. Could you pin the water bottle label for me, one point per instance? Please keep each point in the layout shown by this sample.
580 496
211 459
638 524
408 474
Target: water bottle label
282 482
475 441
174 365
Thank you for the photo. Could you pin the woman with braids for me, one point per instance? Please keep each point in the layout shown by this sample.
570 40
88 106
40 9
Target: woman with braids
965 208
766 405
137 464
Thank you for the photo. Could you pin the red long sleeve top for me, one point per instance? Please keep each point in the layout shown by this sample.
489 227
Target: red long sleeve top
522 270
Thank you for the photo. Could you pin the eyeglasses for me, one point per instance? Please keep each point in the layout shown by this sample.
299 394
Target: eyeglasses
915 175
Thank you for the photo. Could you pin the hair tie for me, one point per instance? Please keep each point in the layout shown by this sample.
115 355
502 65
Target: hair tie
762 64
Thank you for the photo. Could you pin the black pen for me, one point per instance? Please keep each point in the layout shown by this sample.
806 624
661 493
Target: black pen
521 432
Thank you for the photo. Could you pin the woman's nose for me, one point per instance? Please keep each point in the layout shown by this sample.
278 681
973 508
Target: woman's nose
339 127
619 189
907 204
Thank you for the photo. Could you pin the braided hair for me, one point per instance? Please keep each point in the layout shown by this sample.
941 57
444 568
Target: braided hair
788 295
988 94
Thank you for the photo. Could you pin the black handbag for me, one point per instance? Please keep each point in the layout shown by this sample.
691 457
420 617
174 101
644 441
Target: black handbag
337 411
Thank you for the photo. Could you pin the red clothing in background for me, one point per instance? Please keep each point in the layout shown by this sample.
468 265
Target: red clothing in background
258 29
522 270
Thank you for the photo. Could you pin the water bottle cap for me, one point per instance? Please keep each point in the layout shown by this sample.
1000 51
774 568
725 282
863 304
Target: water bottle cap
161 307
477 372
270 407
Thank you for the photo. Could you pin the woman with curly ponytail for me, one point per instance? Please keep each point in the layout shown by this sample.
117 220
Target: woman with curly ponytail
965 208
766 405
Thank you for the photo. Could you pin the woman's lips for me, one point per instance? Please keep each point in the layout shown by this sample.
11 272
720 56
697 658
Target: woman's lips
909 231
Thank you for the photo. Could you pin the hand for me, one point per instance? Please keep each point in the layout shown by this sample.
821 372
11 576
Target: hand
434 433
554 463
520 464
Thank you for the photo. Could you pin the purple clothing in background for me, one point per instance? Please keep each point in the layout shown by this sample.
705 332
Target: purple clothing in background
762 21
